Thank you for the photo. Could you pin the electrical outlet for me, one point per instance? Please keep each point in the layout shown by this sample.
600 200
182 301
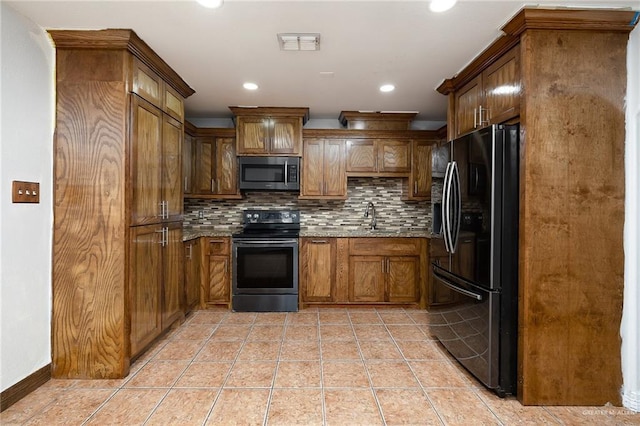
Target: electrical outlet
25 192
200 214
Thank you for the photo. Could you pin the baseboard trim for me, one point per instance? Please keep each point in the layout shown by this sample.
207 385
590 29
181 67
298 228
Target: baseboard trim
24 387
631 400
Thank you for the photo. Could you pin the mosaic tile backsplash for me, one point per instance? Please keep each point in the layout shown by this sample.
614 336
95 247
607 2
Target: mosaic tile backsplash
392 213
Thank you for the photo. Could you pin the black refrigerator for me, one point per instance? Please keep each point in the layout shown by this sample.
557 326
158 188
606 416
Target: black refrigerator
480 231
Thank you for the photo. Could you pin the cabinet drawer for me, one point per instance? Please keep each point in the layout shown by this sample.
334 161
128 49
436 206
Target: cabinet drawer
218 246
147 84
384 246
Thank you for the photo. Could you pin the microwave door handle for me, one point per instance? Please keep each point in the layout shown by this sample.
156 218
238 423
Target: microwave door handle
286 172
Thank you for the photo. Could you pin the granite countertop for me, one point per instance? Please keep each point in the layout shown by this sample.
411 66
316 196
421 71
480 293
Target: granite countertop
190 233
353 232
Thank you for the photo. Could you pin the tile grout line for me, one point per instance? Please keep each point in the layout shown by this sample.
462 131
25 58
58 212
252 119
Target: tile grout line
275 373
172 387
366 369
424 391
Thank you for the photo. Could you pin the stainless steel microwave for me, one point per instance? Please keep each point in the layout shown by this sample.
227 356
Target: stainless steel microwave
269 173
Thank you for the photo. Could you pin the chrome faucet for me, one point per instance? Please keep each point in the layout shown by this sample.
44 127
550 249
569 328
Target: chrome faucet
373 223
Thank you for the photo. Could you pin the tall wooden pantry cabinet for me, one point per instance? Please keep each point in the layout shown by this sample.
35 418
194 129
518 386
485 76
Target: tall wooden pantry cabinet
561 74
117 241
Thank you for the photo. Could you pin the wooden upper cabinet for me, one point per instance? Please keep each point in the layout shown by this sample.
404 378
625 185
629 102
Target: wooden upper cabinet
269 130
173 103
215 164
269 135
361 156
226 167
467 100
171 187
502 87
146 162
188 157
418 185
378 157
323 169
151 87
491 97
146 83
394 156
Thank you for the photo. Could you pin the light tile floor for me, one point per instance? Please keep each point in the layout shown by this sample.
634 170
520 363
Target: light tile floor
314 367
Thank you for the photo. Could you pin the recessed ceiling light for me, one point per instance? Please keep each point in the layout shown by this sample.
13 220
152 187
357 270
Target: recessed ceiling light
250 86
387 88
211 4
441 5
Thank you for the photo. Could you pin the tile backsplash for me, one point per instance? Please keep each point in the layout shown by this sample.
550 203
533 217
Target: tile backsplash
392 213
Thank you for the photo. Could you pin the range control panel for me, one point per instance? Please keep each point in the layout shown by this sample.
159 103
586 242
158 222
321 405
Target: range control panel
271 216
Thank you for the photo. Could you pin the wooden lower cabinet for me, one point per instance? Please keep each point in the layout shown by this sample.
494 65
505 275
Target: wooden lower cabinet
367 279
363 270
156 281
317 274
216 273
192 250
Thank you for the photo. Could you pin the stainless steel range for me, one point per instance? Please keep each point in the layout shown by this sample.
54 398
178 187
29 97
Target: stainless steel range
265 262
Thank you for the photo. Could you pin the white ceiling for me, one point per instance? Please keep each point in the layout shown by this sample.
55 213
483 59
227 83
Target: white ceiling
364 43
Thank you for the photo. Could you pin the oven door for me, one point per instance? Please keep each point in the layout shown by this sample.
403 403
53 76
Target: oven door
469 328
265 266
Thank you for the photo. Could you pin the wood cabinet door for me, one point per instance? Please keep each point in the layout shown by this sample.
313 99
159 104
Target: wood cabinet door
192 273
173 103
467 102
226 167
188 156
393 156
335 176
403 277
145 281
204 166
173 275
252 135
501 87
366 278
421 170
318 269
285 135
312 168
146 162
219 283
172 194
361 156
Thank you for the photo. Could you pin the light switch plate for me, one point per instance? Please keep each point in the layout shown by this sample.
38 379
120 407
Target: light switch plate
25 192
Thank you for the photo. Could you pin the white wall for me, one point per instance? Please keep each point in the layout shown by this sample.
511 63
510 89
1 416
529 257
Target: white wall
26 147
630 329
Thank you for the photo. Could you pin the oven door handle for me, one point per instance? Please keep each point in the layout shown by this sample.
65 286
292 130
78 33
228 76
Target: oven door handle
264 242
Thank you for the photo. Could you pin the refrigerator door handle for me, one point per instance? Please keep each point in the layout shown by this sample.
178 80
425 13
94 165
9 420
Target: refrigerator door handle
455 288
446 211
457 214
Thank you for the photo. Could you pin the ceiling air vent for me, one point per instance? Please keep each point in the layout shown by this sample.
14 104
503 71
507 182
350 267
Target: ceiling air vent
307 41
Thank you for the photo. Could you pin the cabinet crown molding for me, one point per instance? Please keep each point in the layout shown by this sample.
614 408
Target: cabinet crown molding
272 111
124 39
541 19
